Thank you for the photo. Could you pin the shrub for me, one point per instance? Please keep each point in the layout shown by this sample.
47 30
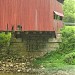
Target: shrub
4 39
68 40
70 58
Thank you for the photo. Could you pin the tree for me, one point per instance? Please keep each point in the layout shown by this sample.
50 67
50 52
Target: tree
69 11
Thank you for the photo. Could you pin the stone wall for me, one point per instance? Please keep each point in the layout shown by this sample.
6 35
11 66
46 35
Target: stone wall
34 45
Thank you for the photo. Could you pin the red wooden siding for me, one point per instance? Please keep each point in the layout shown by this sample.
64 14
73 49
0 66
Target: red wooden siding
33 15
58 24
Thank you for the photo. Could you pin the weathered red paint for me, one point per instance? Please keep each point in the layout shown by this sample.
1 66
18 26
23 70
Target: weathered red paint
33 15
58 24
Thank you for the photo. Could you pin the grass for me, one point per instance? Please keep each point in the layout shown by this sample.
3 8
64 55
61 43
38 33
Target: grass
54 59
71 27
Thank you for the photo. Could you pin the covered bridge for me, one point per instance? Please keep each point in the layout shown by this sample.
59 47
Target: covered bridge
37 21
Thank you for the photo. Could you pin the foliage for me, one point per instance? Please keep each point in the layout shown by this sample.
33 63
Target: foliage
64 55
6 51
69 11
68 40
70 58
4 39
50 60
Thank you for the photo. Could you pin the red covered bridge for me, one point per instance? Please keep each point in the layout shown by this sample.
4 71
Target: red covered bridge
37 21
32 15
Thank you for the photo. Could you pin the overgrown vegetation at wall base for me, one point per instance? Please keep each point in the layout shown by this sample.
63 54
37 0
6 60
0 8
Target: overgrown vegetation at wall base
70 58
4 39
65 55
4 42
68 39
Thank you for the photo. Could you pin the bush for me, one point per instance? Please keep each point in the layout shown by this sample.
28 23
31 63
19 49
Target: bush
4 39
70 58
68 40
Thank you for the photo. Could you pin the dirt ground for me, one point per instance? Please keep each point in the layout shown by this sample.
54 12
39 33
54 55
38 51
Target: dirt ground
69 70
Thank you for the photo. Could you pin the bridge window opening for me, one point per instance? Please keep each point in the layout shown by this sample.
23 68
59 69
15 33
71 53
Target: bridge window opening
61 18
57 17
61 1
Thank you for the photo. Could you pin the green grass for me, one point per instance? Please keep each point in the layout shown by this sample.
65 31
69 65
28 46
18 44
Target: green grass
55 58
52 59
71 27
